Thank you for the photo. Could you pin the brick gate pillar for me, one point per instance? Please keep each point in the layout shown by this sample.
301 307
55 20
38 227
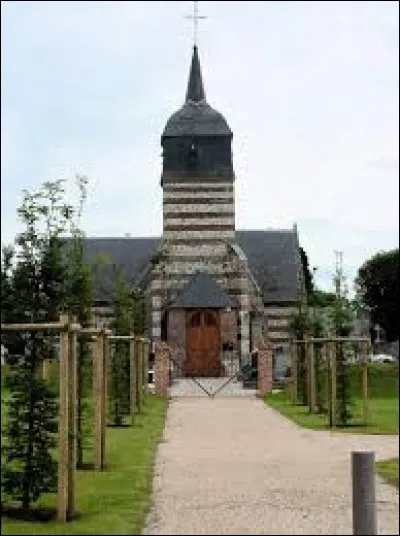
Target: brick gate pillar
161 369
264 383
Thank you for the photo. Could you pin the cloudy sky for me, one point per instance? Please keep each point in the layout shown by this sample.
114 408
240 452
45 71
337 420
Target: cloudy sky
310 90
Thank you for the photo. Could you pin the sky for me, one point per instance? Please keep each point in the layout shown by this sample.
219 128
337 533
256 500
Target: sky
309 89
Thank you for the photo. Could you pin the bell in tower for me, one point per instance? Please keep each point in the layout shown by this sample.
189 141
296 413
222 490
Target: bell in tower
197 139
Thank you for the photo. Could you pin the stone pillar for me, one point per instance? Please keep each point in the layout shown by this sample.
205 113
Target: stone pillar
264 349
161 369
244 316
244 310
155 318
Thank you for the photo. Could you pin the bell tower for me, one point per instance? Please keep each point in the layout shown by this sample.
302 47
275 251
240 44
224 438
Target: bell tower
199 222
197 176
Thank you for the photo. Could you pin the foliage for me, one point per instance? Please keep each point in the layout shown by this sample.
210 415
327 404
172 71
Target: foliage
30 469
110 502
389 470
299 328
321 298
139 312
123 323
308 277
6 281
36 292
304 323
341 314
37 284
78 302
377 285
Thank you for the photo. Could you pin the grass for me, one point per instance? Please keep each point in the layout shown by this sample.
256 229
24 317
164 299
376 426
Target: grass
116 500
389 470
384 413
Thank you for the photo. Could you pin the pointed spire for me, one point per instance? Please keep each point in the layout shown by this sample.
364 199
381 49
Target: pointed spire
195 90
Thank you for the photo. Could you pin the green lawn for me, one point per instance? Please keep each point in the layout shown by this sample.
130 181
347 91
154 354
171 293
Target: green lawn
116 500
389 470
384 415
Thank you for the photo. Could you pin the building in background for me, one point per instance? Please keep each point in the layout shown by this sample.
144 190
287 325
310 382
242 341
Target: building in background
211 289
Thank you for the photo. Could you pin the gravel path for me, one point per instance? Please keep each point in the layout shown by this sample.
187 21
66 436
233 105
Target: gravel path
235 466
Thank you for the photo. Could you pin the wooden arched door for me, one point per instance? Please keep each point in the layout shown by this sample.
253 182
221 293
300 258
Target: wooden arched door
203 344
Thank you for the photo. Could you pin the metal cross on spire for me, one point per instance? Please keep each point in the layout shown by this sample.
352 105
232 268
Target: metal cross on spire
196 17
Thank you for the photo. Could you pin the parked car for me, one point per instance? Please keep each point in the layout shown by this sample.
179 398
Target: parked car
382 358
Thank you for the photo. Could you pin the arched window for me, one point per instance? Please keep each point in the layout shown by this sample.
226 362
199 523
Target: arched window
195 320
209 319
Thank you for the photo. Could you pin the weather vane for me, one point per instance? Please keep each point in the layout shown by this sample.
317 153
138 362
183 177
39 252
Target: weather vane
196 17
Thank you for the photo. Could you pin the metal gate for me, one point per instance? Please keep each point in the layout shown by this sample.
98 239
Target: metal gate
235 378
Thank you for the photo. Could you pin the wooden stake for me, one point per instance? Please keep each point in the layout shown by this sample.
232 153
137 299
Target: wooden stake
333 339
45 370
139 374
72 419
104 388
311 356
307 371
293 353
333 382
98 403
49 326
67 422
145 369
367 352
326 376
133 387
63 459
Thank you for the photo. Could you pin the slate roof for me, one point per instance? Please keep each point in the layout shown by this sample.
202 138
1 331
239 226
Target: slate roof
131 255
196 117
195 90
272 257
202 291
273 260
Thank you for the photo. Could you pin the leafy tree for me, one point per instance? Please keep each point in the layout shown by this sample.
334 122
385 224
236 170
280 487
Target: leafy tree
304 323
322 298
35 288
123 323
7 255
308 276
341 314
139 312
47 278
378 289
78 301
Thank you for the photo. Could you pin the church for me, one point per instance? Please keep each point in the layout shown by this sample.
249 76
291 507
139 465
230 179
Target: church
209 288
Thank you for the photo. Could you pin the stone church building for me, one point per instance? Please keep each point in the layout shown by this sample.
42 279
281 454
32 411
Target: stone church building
210 288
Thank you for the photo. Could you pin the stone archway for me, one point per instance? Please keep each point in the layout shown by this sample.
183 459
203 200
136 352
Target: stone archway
203 344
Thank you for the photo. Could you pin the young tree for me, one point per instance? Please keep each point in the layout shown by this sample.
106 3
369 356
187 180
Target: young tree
307 274
139 312
300 327
123 323
341 313
36 291
78 301
39 289
7 254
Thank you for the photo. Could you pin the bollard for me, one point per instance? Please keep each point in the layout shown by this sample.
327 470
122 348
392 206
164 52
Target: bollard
364 503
